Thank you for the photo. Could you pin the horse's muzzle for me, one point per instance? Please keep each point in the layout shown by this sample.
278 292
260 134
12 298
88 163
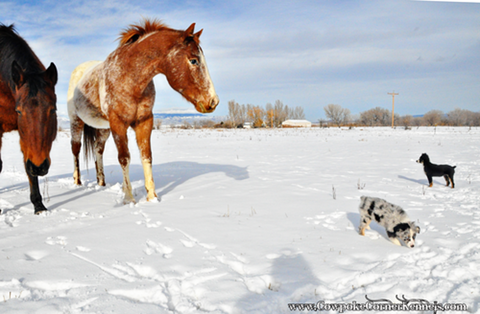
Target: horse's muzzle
35 171
211 106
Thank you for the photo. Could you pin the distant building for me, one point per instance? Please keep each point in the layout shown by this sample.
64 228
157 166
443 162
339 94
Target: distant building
296 124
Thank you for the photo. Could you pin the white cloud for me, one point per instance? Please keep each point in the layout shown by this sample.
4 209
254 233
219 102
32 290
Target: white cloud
260 51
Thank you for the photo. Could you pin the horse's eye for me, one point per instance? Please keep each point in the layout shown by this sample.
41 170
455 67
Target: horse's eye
194 61
18 112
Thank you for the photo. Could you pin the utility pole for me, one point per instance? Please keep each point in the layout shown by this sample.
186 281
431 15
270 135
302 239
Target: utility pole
393 105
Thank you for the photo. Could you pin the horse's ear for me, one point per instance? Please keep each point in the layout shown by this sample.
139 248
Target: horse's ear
52 73
18 76
190 30
197 34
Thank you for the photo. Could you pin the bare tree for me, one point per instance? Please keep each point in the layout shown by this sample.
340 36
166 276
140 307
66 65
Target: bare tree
337 114
376 117
433 117
406 120
458 117
272 115
280 113
474 119
208 124
237 114
157 124
297 113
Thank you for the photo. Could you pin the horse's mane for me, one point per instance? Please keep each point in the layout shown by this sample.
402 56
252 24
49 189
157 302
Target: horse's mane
13 47
134 32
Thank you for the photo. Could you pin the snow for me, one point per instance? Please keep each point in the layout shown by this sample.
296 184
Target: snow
247 221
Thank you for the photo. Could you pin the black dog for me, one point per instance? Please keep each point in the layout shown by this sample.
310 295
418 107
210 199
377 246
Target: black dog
432 170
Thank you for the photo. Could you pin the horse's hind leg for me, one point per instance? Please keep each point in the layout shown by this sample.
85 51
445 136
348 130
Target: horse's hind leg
101 138
76 130
143 132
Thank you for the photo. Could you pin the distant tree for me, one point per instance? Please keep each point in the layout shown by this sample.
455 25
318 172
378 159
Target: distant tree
236 113
417 121
269 115
459 117
186 125
157 124
337 114
406 120
208 124
433 117
474 119
376 117
256 114
280 113
297 113
272 115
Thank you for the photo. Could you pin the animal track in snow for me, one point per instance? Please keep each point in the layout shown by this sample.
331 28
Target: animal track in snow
147 221
329 221
36 255
60 240
153 248
192 241
82 249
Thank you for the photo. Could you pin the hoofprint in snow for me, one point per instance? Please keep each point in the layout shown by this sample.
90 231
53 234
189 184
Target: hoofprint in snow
248 221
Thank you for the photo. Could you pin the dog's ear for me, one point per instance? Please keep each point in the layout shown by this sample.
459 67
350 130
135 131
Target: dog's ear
415 228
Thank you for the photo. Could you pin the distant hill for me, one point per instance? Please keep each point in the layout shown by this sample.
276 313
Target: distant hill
168 118
179 118
178 115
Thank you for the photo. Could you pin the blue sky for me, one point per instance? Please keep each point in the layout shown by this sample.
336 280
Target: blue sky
304 53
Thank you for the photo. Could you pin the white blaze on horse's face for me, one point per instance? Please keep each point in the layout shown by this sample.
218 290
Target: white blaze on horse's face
203 96
213 99
188 73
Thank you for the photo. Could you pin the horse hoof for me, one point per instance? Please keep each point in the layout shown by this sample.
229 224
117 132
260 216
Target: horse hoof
127 201
40 210
153 199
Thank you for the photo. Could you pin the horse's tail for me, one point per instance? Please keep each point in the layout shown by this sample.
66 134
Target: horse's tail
89 137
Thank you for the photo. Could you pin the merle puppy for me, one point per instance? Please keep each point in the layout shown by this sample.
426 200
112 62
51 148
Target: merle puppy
392 217
432 170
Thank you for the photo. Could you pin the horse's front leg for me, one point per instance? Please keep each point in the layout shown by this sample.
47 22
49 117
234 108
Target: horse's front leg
143 132
35 196
1 162
119 132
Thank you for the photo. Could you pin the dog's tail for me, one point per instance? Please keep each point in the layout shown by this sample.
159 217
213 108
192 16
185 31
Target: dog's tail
454 167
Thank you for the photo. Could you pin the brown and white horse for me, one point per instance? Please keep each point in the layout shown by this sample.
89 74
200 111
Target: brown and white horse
27 104
119 93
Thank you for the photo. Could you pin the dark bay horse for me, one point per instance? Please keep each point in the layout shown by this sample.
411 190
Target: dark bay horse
27 104
119 93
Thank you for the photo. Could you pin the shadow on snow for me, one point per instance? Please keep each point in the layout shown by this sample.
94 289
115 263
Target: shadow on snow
167 176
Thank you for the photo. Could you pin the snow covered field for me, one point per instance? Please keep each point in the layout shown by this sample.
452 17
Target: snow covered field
248 222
